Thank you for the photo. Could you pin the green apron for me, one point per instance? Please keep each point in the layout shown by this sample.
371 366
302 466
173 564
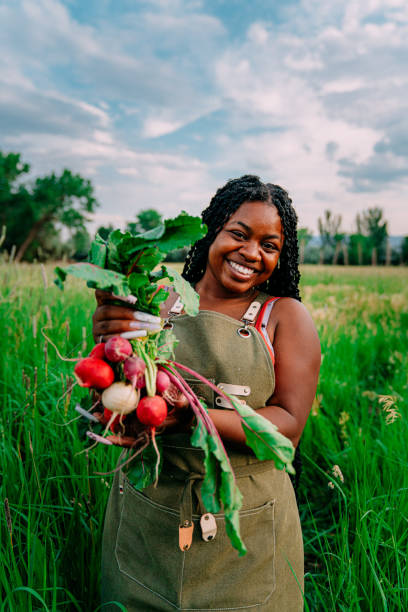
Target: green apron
143 566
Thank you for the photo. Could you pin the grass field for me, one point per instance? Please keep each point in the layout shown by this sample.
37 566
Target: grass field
354 488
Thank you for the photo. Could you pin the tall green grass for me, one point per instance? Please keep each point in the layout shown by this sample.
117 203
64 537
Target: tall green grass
354 516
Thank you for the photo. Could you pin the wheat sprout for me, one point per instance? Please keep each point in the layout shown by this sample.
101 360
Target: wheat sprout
388 403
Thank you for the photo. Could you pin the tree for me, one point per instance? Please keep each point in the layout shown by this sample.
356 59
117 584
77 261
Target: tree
304 237
404 250
146 220
79 244
58 199
15 212
331 237
104 231
35 212
370 223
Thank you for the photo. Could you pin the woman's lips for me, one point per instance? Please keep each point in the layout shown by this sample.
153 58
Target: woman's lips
243 271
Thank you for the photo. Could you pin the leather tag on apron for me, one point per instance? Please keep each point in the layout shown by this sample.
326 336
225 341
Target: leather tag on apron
186 535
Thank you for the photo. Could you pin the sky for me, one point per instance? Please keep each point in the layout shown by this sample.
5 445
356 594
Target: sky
160 102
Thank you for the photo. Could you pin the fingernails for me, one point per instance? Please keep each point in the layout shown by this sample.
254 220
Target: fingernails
130 299
144 316
144 325
134 334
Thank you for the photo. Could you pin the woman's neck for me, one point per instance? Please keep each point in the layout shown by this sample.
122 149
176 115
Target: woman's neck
220 300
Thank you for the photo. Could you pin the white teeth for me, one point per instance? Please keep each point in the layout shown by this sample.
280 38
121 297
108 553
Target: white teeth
241 269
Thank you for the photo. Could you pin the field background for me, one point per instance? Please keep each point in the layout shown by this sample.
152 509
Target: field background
354 489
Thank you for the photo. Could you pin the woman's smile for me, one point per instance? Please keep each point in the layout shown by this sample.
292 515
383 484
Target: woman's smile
246 250
241 269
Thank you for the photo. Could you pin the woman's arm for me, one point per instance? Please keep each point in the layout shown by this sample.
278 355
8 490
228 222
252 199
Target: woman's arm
297 363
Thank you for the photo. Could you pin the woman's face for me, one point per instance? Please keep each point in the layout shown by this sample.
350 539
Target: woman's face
246 250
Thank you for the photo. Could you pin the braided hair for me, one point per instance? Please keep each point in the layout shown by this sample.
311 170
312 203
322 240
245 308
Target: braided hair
284 281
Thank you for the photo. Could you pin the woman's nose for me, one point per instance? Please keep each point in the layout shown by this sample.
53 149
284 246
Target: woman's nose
251 251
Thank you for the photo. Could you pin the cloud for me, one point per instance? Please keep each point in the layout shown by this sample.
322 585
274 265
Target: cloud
159 102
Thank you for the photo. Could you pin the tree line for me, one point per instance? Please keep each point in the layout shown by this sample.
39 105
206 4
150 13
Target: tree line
369 244
33 215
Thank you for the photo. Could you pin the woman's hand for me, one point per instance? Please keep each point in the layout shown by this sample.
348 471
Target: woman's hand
111 319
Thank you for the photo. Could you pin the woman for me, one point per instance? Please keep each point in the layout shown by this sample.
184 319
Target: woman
268 353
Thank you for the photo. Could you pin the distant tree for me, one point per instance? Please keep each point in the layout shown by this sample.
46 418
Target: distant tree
331 236
15 211
35 211
404 250
304 237
372 225
359 249
60 199
145 220
79 244
104 231
177 255
329 226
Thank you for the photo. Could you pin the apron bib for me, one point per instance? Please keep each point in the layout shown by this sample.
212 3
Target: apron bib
143 566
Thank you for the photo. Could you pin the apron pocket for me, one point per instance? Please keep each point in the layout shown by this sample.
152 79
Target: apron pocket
147 548
215 577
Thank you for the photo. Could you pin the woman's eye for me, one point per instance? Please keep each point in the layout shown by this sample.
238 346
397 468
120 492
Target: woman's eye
237 234
269 246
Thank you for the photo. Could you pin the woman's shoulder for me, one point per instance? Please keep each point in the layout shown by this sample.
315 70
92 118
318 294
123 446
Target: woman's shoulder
291 317
289 307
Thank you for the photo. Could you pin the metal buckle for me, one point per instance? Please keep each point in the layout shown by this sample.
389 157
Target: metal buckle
208 526
244 331
186 535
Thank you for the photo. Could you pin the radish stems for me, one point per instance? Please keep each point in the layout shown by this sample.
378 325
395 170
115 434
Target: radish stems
156 471
97 438
129 459
208 422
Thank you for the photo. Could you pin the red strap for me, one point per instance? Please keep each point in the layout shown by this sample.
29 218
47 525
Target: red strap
258 325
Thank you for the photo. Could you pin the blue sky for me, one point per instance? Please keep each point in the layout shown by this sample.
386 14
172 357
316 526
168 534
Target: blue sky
159 102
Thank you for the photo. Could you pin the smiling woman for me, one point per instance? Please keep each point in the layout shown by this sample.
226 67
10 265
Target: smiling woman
246 250
245 271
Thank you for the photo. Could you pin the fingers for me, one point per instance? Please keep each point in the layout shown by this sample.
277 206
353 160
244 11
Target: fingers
104 297
106 328
107 311
111 320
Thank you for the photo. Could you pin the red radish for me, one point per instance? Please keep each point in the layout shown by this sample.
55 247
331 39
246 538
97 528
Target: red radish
141 382
175 397
98 351
133 369
152 410
95 373
162 381
118 349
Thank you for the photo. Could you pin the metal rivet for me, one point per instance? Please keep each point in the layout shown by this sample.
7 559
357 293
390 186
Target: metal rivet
243 332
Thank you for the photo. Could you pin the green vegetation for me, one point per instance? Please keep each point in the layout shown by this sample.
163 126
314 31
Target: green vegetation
353 496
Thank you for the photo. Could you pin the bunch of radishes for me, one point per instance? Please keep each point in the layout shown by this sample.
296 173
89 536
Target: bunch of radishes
128 384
